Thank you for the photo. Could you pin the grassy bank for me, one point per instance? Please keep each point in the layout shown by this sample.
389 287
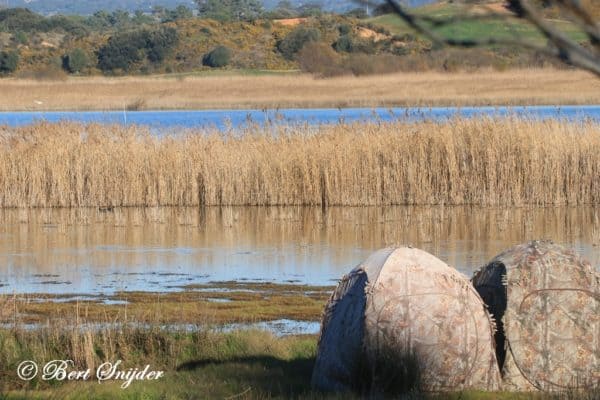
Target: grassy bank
198 362
196 365
477 162
520 87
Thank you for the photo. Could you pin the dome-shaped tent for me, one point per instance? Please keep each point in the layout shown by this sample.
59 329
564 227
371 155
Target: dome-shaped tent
546 301
407 309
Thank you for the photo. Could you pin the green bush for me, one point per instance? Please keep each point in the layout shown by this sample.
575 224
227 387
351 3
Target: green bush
126 49
217 58
21 37
296 39
160 43
344 44
230 10
359 13
344 29
352 44
19 19
9 61
75 61
122 51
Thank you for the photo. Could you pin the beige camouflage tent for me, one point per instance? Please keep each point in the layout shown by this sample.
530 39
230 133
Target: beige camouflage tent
405 311
546 301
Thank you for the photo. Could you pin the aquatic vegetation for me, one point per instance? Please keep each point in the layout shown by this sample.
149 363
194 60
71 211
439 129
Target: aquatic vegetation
507 162
204 305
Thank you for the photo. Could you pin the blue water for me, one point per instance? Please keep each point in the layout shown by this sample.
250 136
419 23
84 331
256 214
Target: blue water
225 119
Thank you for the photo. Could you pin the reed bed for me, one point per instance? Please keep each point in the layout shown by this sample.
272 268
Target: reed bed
507 162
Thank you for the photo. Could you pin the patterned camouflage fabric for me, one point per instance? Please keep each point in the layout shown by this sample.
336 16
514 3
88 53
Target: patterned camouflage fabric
405 304
342 328
546 300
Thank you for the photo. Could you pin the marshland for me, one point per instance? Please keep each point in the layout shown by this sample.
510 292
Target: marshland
230 170
482 162
211 253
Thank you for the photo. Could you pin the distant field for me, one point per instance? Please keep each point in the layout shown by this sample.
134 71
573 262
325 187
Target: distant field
499 28
289 90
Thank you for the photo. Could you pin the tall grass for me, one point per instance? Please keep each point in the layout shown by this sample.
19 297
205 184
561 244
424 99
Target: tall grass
485 87
171 348
166 350
480 162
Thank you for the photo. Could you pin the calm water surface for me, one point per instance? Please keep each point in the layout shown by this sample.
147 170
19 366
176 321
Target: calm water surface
223 119
87 251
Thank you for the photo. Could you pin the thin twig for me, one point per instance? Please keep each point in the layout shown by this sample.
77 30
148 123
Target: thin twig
565 48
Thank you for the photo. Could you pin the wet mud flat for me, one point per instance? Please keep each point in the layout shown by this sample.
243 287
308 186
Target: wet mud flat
222 306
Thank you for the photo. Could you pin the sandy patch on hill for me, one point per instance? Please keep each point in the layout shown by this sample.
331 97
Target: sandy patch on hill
367 33
290 21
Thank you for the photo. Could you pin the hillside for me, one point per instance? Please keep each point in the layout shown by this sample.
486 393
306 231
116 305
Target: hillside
499 28
119 43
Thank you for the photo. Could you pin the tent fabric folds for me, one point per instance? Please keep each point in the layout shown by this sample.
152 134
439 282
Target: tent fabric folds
546 301
405 304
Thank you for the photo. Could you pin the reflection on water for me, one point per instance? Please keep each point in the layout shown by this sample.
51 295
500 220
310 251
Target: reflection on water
88 251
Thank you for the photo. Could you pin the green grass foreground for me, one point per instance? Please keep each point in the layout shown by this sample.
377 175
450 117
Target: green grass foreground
197 365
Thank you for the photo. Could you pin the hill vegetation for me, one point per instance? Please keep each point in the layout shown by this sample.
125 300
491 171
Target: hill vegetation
222 36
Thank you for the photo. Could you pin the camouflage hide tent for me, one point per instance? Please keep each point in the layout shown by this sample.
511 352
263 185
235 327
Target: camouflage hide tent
405 311
546 302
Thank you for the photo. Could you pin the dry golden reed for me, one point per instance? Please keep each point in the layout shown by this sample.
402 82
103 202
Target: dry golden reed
514 87
486 161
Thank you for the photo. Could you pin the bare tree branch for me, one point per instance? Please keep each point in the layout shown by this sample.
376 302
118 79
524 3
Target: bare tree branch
568 49
585 57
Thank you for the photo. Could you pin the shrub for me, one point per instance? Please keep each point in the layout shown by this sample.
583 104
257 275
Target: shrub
359 13
122 50
344 44
125 49
296 39
160 43
75 61
352 44
230 10
217 58
363 64
21 37
344 29
9 61
319 59
19 19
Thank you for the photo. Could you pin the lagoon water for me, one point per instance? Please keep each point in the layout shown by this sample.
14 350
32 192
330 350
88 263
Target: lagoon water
94 252
226 119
